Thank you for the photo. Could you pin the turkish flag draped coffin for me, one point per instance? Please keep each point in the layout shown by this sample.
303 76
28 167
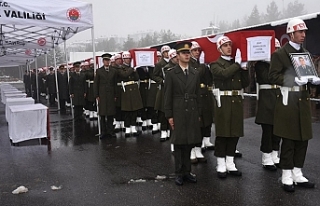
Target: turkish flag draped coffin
254 45
143 57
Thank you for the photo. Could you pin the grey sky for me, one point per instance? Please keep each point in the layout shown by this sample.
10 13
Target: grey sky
186 17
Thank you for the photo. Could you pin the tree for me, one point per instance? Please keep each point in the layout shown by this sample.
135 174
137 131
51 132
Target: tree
254 17
224 26
167 36
129 44
294 9
273 12
235 24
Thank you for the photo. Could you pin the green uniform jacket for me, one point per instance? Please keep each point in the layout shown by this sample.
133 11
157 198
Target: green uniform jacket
90 77
267 97
104 88
130 98
159 76
118 86
148 95
229 76
181 100
294 120
206 100
78 88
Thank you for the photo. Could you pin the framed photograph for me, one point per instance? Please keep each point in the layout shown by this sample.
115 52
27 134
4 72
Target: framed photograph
303 64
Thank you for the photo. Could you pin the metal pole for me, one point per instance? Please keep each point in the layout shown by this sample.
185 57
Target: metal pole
95 68
56 75
66 59
37 81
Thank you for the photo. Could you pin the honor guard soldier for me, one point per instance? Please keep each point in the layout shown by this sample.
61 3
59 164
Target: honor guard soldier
131 100
112 61
230 77
159 76
292 117
119 117
159 56
182 109
267 96
51 85
206 103
148 90
78 90
63 88
90 99
105 93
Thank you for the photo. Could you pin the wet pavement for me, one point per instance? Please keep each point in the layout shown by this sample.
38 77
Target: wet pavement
98 172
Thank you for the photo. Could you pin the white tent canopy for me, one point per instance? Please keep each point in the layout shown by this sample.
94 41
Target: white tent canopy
31 28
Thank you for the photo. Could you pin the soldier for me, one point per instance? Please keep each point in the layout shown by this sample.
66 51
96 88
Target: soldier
78 90
148 91
267 95
206 103
119 123
159 56
182 109
63 88
131 100
158 77
27 83
230 77
51 85
83 70
292 117
105 93
90 99
112 61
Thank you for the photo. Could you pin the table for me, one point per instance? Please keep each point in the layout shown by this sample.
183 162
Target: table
6 90
17 101
27 122
18 95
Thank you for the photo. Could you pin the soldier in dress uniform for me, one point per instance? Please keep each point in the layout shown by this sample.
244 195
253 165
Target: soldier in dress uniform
131 100
78 90
148 91
112 61
159 56
105 93
63 88
51 85
159 76
119 117
83 70
90 99
230 77
267 95
292 117
182 109
206 103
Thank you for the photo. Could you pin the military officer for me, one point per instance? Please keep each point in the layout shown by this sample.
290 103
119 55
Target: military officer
159 76
206 103
51 85
230 77
292 117
119 117
267 95
63 88
131 100
105 93
90 99
182 109
78 90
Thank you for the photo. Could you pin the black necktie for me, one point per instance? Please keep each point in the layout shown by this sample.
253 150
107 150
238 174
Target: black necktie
186 73
107 69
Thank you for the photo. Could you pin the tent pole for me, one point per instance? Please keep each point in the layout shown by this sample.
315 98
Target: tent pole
37 81
95 69
68 73
56 76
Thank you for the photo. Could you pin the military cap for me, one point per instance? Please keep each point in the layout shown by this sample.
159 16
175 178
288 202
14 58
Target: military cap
183 46
106 56
61 66
76 64
50 68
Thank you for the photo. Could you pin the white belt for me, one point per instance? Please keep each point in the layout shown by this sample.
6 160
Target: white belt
91 82
129 83
265 86
231 93
285 92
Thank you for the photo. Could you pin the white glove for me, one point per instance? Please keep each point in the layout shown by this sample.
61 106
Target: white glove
301 81
238 58
244 65
315 80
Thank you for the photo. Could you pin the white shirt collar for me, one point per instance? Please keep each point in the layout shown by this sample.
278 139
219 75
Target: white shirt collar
228 58
183 68
295 45
166 59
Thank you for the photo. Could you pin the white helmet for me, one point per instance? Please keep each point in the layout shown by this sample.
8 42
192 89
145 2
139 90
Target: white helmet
159 54
112 59
40 69
222 40
172 53
296 25
165 48
277 43
126 55
86 63
194 45
91 61
117 56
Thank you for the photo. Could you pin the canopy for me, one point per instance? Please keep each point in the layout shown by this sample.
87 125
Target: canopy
31 28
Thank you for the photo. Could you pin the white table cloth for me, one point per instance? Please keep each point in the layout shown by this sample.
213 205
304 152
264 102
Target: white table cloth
6 90
18 95
17 101
27 122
